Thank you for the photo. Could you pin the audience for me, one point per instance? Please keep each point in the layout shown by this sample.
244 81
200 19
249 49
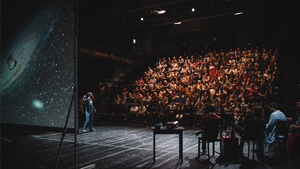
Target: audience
184 86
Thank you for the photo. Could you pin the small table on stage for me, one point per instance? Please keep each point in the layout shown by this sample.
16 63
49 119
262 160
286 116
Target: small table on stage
230 147
165 130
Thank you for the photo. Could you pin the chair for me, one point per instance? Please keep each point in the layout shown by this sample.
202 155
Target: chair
215 123
258 139
281 134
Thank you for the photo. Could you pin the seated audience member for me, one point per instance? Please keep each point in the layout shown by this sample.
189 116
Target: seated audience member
189 111
130 101
163 100
252 130
179 102
164 112
228 114
154 99
139 99
122 108
205 122
200 109
172 110
123 98
237 110
147 99
117 103
141 112
132 112
270 127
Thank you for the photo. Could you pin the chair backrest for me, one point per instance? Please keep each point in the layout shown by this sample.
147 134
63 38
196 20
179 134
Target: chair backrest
282 129
255 129
214 130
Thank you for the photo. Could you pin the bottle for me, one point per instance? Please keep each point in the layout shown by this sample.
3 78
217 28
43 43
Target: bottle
227 131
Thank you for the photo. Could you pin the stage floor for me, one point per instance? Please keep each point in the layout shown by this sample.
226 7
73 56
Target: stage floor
117 147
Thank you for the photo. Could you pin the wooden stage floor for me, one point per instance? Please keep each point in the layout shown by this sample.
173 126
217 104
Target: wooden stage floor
115 147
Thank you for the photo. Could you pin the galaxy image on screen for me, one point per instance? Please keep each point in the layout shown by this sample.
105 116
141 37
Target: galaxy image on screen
37 62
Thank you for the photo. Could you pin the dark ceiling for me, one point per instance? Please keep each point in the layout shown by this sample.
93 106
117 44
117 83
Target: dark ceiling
126 14
122 18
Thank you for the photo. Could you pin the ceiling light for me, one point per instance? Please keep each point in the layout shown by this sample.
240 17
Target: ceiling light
142 19
134 41
238 13
193 9
159 12
177 23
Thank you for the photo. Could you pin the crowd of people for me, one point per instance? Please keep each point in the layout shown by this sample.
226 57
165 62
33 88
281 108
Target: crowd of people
240 86
182 87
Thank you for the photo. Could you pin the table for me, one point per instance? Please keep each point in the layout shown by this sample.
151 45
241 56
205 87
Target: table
229 148
165 130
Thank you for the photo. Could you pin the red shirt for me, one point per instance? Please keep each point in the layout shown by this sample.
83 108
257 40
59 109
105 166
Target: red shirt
246 76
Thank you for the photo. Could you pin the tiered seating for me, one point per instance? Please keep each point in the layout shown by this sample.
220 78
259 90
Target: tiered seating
180 88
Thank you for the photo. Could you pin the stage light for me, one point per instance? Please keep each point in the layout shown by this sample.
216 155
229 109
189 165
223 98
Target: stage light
193 9
142 19
177 23
238 13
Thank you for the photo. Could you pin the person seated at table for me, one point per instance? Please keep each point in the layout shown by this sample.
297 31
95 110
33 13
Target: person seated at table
253 129
271 126
205 121
292 113
297 126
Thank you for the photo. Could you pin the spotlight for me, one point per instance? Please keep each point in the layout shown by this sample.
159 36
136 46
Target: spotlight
193 9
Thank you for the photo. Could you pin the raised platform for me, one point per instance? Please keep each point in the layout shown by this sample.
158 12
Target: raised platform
113 147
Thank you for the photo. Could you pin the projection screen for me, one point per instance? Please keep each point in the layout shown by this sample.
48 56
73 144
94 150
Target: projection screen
37 62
